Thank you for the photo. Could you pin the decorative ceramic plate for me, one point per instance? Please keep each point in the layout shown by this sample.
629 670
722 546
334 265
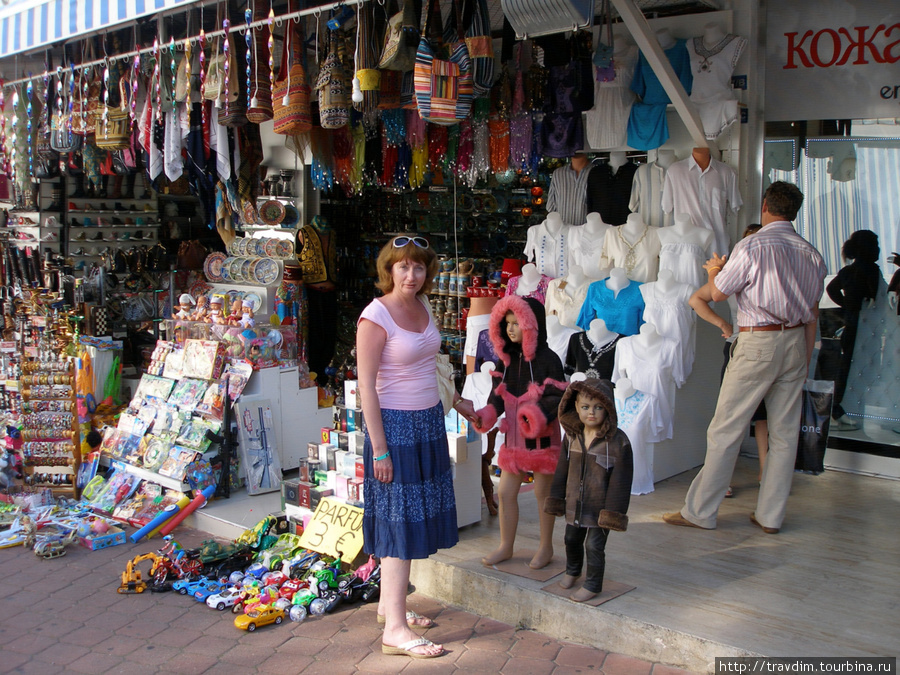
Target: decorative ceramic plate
250 214
269 247
234 270
212 266
233 295
272 212
255 299
266 271
233 246
291 216
256 247
245 269
284 249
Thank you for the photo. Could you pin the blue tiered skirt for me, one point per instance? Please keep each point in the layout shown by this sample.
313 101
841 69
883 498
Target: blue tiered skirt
415 514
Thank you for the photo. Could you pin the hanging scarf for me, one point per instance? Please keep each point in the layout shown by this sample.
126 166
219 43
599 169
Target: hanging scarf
342 141
499 144
322 175
437 145
464 148
417 138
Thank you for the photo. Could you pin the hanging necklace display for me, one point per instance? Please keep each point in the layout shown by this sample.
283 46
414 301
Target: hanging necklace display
631 256
15 133
173 68
593 353
135 72
4 166
201 42
226 24
29 111
271 22
248 38
104 118
156 79
71 106
188 55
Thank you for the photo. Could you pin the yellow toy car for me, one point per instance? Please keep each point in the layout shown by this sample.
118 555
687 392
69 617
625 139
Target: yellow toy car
261 616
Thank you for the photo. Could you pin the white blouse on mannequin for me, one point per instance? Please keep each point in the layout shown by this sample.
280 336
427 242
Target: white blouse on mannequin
666 307
565 296
714 56
684 249
586 246
634 247
547 246
528 282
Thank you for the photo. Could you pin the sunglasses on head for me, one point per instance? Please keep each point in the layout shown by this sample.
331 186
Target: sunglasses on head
400 242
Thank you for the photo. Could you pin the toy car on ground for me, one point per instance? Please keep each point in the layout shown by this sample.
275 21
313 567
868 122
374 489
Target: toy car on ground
318 602
354 588
233 563
285 547
328 578
276 578
256 570
224 598
212 555
210 588
259 617
290 587
299 565
191 586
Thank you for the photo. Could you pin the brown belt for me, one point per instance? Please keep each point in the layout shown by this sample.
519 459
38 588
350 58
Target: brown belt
768 327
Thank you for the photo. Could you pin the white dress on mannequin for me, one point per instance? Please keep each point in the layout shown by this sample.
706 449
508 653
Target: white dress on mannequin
714 56
666 307
653 364
546 245
638 417
586 246
634 247
684 248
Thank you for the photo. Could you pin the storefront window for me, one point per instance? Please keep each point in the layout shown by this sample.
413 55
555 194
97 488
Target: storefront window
850 184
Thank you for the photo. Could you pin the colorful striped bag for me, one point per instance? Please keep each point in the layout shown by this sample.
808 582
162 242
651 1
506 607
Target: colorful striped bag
443 87
290 97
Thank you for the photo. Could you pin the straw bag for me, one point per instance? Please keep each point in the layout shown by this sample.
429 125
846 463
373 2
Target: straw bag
115 134
214 82
443 88
260 109
400 40
290 97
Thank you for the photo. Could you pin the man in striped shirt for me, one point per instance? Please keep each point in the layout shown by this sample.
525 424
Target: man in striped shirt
777 278
568 190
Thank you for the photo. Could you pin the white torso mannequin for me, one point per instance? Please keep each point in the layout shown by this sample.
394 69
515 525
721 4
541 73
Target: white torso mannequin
617 158
665 282
529 280
617 281
633 228
713 34
599 334
547 245
665 158
558 335
684 231
594 226
574 281
665 38
554 223
648 339
624 389
586 246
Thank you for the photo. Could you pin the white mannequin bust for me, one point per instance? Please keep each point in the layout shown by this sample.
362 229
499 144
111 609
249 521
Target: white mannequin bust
649 338
624 389
554 223
623 44
665 282
665 38
713 34
575 280
634 227
665 158
578 377
594 225
599 334
617 158
617 280
683 230
529 280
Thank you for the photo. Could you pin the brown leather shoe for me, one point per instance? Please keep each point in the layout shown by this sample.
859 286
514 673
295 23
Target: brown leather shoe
678 519
767 530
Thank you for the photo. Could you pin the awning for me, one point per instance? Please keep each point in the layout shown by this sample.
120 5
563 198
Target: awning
31 24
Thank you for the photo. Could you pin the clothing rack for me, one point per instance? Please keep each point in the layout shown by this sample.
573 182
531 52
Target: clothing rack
180 42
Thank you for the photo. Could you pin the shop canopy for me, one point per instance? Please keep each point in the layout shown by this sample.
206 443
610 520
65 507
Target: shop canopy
30 24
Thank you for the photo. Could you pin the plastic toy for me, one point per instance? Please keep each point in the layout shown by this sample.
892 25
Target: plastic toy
276 578
201 313
224 598
195 504
329 577
185 306
188 586
256 570
290 587
55 546
210 588
354 588
286 546
258 537
259 617
299 565
297 613
234 315
132 582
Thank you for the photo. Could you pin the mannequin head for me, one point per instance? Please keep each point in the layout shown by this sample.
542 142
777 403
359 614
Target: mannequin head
649 335
617 158
713 34
665 279
554 222
665 158
683 222
665 38
634 223
598 333
617 279
575 276
530 272
624 389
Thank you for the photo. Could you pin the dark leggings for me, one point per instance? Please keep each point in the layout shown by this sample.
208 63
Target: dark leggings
848 343
593 541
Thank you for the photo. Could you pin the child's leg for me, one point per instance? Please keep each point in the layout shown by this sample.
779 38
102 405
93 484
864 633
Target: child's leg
542 483
574 540
596 564
509 517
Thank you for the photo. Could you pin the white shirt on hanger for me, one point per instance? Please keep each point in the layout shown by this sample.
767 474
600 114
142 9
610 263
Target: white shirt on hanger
646 195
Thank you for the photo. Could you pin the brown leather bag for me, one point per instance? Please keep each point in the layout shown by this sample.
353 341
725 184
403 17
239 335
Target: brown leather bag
191 255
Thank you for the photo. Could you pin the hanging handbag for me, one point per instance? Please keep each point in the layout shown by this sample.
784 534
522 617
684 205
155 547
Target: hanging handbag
333 89
481 49
443 87
290 97
233 111
214 82
603 55
400 40
46 159
260 109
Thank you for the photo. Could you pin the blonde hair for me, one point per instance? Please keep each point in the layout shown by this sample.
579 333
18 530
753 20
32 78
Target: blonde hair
390 254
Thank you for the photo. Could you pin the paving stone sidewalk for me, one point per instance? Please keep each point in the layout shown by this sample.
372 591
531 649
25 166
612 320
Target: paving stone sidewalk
64 616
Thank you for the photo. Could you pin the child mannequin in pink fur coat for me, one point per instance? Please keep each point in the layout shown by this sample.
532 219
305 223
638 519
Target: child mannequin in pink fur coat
530 384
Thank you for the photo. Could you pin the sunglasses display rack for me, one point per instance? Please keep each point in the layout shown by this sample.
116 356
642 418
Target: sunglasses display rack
50 450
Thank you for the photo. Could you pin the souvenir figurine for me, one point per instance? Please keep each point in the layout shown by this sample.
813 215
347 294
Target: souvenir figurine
234 315
185 306
201 313
246 320
216 303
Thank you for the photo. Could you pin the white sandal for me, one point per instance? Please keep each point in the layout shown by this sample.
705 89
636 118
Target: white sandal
411 618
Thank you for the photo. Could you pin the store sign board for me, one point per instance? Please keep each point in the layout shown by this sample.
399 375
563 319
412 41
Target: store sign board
335 529
832 59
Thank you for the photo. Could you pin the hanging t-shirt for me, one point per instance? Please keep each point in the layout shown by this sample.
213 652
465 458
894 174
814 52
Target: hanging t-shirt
539 293
622 313
638 417
646 195
654 372
712 91
685 261
608 191
647 125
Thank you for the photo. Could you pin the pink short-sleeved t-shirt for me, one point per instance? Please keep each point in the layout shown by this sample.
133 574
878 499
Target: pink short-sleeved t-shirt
407 378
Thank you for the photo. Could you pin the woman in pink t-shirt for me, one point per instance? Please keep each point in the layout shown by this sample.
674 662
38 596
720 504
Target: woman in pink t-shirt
410 507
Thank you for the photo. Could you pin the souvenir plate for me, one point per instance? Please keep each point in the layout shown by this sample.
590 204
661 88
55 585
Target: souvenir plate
284 249
291 216
255 299
245 269
270 247
234 270
212 267
272 212
266 271
253 247
233 246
